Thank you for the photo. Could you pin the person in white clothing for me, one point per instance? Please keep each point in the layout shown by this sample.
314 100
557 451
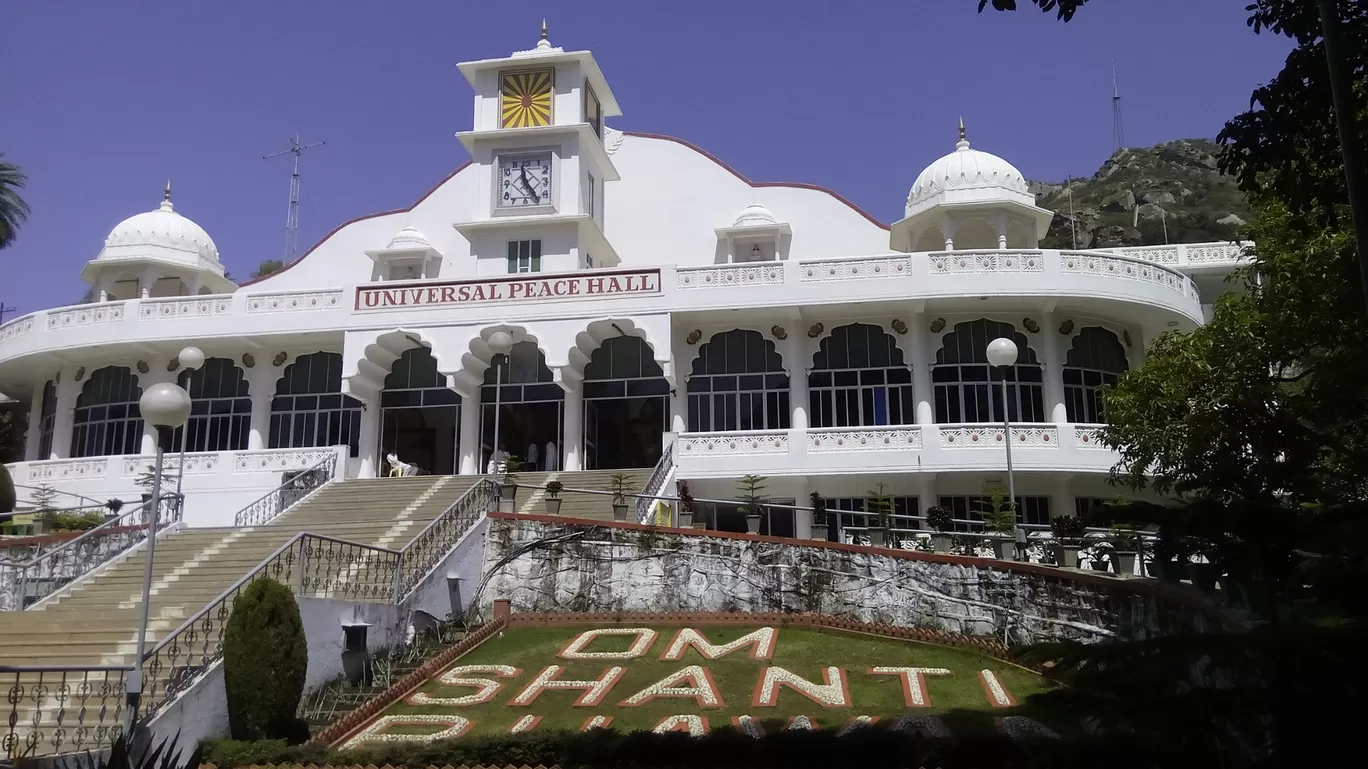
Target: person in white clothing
532 456
552 458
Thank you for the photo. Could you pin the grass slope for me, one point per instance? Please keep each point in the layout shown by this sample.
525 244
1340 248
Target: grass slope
803 652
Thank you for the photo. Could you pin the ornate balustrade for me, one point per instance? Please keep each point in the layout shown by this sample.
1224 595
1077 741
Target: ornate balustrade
291 492
426 550
1188 254
733 443
664 470
55 709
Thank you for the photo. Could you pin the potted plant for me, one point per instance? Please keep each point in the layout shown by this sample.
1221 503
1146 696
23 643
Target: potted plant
618 485
751 487
881 507
508 486
685 517
553 500
1125 545
1171 556
1000 523
940 521
819 517
1068 535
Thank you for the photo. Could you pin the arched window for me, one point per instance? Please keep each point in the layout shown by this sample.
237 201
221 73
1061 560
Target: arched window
859 379
626 405
967 389
1096 359
414 381
309 408
48 419
108 421
738 383
220 408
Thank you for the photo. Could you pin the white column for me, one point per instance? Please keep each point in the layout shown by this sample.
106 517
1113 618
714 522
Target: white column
795 356
679 396
921 355
926 495
1052 358
67 390
1000 224
261 382
368 440
470 434
573 434
1063 502
948 226
35 434
802 519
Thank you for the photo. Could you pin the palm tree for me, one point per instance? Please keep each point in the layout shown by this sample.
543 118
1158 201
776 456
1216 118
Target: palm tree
13 209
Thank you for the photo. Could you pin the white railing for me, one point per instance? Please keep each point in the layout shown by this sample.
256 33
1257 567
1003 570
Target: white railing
1187 254
660 476
733 443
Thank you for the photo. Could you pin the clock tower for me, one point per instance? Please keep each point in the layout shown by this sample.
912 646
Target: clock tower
537 145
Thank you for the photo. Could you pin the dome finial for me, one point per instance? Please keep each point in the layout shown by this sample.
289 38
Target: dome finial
543 43
963 142
166 197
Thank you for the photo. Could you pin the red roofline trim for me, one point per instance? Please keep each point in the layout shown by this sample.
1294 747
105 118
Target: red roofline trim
362 218
796 185
742 177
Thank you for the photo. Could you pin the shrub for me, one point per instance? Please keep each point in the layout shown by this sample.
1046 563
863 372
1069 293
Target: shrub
939 518
818 509
1067 527
618 484
264 663
6 491
554 488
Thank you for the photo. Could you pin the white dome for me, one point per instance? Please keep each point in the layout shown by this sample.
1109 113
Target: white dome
967 176
409 239
162 234
755 215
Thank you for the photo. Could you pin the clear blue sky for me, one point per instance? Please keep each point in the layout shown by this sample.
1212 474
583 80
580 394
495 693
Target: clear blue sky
102 102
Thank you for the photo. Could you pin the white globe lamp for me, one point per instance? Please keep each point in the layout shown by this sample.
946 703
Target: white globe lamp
500 341
1002 352
165 405
191 358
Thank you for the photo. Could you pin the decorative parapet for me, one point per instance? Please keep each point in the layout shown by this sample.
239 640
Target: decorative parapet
67 469
978 436
197 463
295 301
1090 438
1187 254
185 307
1127 268
86 315
767 273
278 460
17 327
822 270
829 439
963 262
733 444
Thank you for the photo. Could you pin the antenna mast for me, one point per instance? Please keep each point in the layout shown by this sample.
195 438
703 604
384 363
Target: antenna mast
5 310
292 217
1118 127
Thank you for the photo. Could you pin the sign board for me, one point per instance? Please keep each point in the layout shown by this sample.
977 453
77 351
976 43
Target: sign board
514 289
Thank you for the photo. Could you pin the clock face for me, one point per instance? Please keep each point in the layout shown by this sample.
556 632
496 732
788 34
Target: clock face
524 181
525 98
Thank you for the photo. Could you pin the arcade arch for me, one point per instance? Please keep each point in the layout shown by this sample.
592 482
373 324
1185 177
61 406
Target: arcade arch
1096 359
626 405
967 388
420 414
520 388
107 420
309 408
859 379
220 409
738 383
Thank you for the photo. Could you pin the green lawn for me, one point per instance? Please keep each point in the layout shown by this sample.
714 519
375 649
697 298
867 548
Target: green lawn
805 653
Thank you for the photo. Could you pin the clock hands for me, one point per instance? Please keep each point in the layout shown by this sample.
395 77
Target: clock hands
527 185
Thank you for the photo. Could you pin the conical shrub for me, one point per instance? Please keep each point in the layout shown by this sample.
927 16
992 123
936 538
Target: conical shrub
265 660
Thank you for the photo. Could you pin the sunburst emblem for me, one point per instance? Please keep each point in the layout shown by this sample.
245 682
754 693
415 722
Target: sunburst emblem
526 98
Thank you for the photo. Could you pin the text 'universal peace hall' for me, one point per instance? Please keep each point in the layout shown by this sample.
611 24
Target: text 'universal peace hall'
460 292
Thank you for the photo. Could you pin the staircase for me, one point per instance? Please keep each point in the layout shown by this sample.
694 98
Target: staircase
94 621
598 507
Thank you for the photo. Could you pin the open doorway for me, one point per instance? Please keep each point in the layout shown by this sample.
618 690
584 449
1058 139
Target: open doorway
420 415
529 411
626 406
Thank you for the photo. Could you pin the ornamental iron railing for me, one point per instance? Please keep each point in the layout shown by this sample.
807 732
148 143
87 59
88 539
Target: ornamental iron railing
659 477
23 583
60 709
422 554
291 492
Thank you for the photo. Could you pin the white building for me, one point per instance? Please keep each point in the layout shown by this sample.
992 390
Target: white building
654 297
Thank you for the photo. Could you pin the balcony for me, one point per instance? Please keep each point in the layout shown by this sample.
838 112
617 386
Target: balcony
908 448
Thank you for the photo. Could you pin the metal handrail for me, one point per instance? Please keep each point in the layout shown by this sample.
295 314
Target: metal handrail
427 548
656 482
247 515
89 544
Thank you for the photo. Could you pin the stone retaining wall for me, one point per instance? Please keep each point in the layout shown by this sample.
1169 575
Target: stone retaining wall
546 564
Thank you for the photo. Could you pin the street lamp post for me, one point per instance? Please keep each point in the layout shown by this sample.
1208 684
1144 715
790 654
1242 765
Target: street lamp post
191 358
165 406
501 342
1002 354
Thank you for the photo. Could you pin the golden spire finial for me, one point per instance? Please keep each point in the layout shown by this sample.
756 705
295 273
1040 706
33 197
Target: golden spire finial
167 195
543 31
962 137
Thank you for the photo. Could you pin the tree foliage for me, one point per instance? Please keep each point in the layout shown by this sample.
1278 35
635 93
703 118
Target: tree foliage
13 210
267 268
265 660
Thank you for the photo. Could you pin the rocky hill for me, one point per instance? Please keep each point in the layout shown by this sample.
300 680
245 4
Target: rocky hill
1137 193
